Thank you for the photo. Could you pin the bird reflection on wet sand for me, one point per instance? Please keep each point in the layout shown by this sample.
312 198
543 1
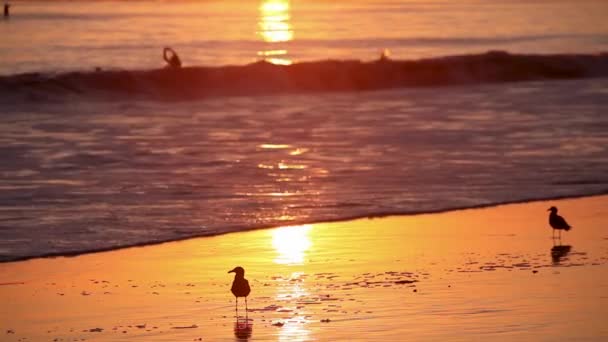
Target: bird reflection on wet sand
559 252
243 328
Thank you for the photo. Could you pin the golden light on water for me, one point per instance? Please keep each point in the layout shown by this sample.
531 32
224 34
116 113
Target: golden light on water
274 27
294 288
298 151
291 244
274 21
285 166
282 166
274 6
274 146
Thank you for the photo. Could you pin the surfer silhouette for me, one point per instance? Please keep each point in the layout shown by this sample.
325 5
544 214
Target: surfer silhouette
172 59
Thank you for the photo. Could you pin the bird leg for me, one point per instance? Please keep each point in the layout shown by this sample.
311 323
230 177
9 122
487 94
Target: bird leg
246 314
236 308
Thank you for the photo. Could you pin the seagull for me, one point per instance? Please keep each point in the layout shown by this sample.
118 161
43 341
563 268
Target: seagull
557 222
240 287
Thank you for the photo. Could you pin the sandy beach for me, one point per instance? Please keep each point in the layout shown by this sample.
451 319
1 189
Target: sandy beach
480 274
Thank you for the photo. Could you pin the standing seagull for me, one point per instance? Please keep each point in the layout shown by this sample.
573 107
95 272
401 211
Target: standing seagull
557 222
240 287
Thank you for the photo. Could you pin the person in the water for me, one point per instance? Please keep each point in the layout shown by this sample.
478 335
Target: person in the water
172 59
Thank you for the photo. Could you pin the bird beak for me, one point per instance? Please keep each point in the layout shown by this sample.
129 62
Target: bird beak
232 271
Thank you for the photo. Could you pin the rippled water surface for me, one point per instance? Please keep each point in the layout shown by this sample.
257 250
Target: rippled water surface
96 175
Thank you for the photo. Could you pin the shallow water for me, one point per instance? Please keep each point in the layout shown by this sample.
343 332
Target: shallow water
97 175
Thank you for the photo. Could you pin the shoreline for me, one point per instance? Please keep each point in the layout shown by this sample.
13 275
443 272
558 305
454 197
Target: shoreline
373 216
493 273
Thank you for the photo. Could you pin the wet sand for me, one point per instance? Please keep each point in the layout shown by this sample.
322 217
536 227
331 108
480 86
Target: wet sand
493 273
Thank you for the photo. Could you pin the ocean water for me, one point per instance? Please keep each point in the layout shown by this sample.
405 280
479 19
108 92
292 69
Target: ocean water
51 36
140 164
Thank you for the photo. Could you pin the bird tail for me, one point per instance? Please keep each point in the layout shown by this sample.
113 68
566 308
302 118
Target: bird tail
568 228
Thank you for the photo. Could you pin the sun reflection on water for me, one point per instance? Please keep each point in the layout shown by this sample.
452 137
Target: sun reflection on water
291 291
274 146
291 244
296 327
274 27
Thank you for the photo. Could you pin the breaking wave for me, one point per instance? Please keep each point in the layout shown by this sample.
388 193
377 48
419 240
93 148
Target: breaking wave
319 76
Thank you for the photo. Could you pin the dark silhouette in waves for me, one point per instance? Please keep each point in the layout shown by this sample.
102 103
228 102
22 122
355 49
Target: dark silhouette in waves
172 59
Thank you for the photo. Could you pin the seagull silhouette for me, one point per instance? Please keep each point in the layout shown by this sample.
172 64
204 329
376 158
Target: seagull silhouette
240 287
557 222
